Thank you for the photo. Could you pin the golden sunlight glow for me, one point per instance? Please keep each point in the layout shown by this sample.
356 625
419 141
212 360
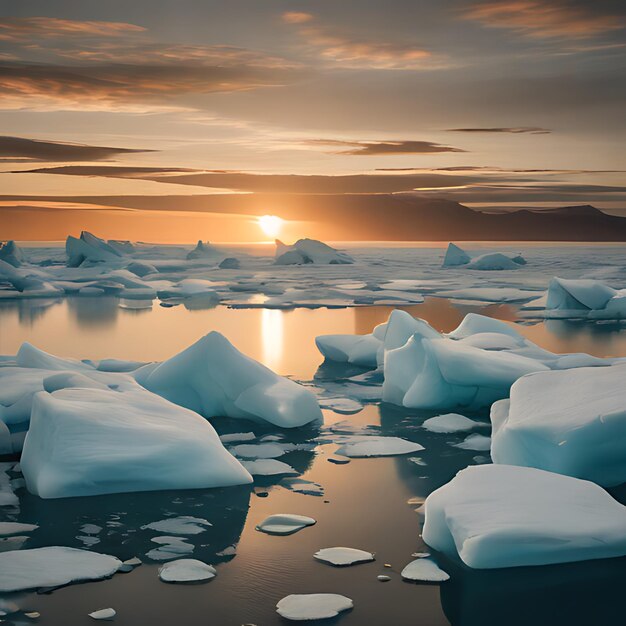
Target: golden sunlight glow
271 225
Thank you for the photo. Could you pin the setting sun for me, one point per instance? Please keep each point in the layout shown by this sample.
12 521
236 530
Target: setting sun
271 225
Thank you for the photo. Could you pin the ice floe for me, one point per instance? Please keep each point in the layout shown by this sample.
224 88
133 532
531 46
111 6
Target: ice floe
479 443
586 298
103 614
424 570
457 257
449 423
310 251
269 467
93 441
186 571
303 607
357 446
213 378
181 525
169 548
495 516
343 556
572 422
14 528
284 524
53 566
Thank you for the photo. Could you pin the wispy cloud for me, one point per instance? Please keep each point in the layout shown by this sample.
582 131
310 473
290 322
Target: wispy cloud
532 130
22 149
380 148
345 50
545 19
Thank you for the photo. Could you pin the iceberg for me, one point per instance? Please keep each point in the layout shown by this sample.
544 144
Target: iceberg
214 379
10 253
93 441
571 422
53 566
310 251
90 249
455 256
230 263
493 516
584 297
203 251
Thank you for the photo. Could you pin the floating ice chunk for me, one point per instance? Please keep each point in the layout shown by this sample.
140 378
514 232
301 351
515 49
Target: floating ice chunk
449 423
494 261
345 406
442 373
496 516
182 525
284 524
103 614
230 263
53 566
169 548
203 251
269 467
343 556
89 248
355 349
258 450
10 253
141 268
475 442
189 288
213 378
300 485
26 283
14 528
302 607
580 294
371 445
310 251
186 571
383 578
572 422
424 570
455 256
91 441
234 437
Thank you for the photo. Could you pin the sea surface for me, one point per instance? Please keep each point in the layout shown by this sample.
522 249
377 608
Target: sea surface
368 504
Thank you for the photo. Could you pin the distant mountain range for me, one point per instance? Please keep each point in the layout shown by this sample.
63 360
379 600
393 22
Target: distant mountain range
375 217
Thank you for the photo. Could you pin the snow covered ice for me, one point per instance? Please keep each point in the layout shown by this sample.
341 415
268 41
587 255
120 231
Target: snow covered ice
186 571
343 556
53 566
213 378
490 261
303 607
372 445
572 422
449 423
87 442
183 525
424 570
495 516
103 614
284 524
310 251
586 298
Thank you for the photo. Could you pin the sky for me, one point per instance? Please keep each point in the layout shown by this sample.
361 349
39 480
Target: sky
498 105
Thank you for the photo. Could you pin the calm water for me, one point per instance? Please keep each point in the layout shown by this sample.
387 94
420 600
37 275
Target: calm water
365 504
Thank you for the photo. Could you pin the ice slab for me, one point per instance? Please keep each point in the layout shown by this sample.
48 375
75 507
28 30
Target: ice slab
343 556
449 423
284 524
424 570
186 571
372 445
182 525
303 607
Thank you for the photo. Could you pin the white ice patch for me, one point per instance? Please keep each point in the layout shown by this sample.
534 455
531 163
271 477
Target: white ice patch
15 528
169 548
424 570
449 423
186 571
479 443
103 614
302 607
269 467
284 524
182 525
343 556
371 445
53 566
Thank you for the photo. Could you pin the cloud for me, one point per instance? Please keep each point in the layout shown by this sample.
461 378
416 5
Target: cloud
21 149
377 148
544 19
533 130
344 50
27 29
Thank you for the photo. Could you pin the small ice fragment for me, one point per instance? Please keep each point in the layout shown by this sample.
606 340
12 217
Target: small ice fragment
103 614
269 467
186 571
449 423
424 570
475 442
236 437
301 607
383 578
284 524
182 525
343 556
368 446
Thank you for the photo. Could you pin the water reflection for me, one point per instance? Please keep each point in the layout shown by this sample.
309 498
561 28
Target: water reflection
272 330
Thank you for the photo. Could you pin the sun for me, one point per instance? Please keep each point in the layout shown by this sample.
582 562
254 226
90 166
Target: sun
271 225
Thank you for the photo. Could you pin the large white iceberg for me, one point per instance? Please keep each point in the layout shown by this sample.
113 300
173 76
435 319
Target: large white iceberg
572 422
91 249
457 257
310 251
495 516
93 441
213 378
584 297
